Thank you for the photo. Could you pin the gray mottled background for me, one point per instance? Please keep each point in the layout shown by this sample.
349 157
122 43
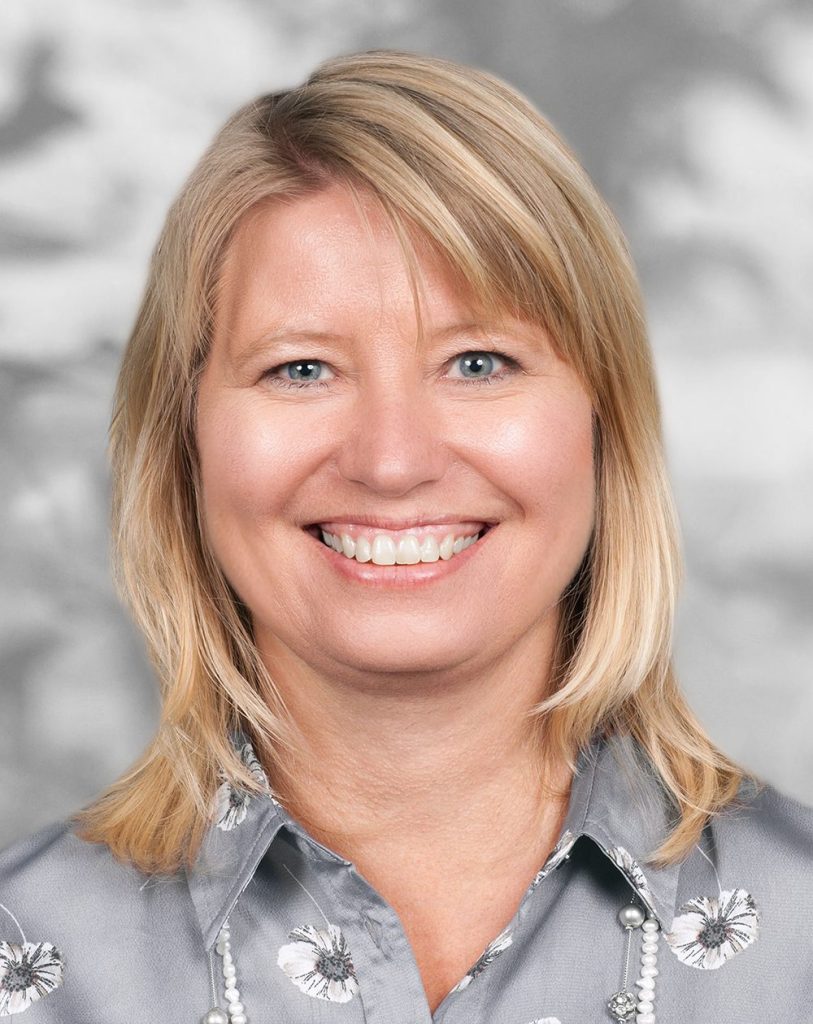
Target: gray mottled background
695 119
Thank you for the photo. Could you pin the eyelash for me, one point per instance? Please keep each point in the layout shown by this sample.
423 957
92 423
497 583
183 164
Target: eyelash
511 366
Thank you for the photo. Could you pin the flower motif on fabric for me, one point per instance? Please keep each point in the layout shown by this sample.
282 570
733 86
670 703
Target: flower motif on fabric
555 858
487 957
546 1020
252 762
231 806
318 962
708 930
632 869
231 803
28 971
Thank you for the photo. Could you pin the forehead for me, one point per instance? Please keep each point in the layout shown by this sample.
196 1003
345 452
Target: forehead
332 262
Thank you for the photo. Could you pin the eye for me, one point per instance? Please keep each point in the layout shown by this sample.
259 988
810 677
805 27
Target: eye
477 363
305 373
478 368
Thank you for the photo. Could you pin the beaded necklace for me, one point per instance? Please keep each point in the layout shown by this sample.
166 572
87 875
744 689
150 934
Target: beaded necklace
624 1005
235 1012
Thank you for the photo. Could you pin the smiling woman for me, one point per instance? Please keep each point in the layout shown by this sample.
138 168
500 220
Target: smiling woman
390 508
395 449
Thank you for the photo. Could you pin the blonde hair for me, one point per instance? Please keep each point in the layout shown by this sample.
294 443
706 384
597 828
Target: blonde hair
454 156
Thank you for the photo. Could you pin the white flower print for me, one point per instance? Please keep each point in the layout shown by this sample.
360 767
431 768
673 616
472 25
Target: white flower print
231 803
231 806
28 971
546 1020
488 956
632 869
318 962
555 857
708 931
252 762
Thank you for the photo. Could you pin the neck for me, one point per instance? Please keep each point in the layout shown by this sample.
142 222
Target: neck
393 765
431 788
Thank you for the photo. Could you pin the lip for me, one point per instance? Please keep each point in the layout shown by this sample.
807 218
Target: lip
399 576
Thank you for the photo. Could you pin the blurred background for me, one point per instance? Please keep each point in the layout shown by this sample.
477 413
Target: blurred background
695 120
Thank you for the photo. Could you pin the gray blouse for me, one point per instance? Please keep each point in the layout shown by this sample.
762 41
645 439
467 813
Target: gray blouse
273 927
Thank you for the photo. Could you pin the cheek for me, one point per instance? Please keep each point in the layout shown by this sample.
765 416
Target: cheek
546 456
246 466
569 472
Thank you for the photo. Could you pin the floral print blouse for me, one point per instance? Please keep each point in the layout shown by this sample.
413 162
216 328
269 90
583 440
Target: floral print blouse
273 926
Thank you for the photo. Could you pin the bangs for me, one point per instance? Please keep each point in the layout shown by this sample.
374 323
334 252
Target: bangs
489 213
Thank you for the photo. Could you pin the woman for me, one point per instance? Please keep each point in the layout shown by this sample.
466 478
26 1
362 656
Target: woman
390 508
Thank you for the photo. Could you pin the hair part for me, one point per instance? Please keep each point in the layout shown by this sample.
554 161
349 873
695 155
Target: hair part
459 161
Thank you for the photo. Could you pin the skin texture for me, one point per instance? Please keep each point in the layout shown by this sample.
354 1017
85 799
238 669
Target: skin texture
412 703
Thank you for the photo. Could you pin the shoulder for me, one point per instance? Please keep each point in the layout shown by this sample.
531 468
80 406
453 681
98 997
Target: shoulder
50 913
57 876
765 827
55 856
57 883
763 844
51 880
94 919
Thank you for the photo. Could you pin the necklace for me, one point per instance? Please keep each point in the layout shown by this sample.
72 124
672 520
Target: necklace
624 1005
235 1012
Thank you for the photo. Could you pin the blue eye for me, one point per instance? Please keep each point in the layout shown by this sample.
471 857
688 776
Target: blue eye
477 362
307 367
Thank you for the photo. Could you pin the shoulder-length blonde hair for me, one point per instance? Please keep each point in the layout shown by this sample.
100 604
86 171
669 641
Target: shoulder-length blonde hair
457 157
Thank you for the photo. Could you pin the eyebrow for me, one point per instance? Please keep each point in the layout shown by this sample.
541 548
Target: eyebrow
270 339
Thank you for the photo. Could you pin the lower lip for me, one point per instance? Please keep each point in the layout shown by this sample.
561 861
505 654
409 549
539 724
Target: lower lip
399 575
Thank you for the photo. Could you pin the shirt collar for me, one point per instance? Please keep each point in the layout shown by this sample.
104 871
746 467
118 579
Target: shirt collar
615 800
618 801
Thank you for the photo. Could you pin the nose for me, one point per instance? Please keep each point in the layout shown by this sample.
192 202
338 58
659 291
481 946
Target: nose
394 440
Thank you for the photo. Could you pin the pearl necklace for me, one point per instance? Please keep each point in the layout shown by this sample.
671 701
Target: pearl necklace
235 1012
624 1005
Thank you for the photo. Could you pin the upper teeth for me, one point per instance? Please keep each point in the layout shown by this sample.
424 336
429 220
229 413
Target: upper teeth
384 550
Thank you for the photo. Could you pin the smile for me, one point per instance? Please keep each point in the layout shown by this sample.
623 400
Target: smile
414 555
406 547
